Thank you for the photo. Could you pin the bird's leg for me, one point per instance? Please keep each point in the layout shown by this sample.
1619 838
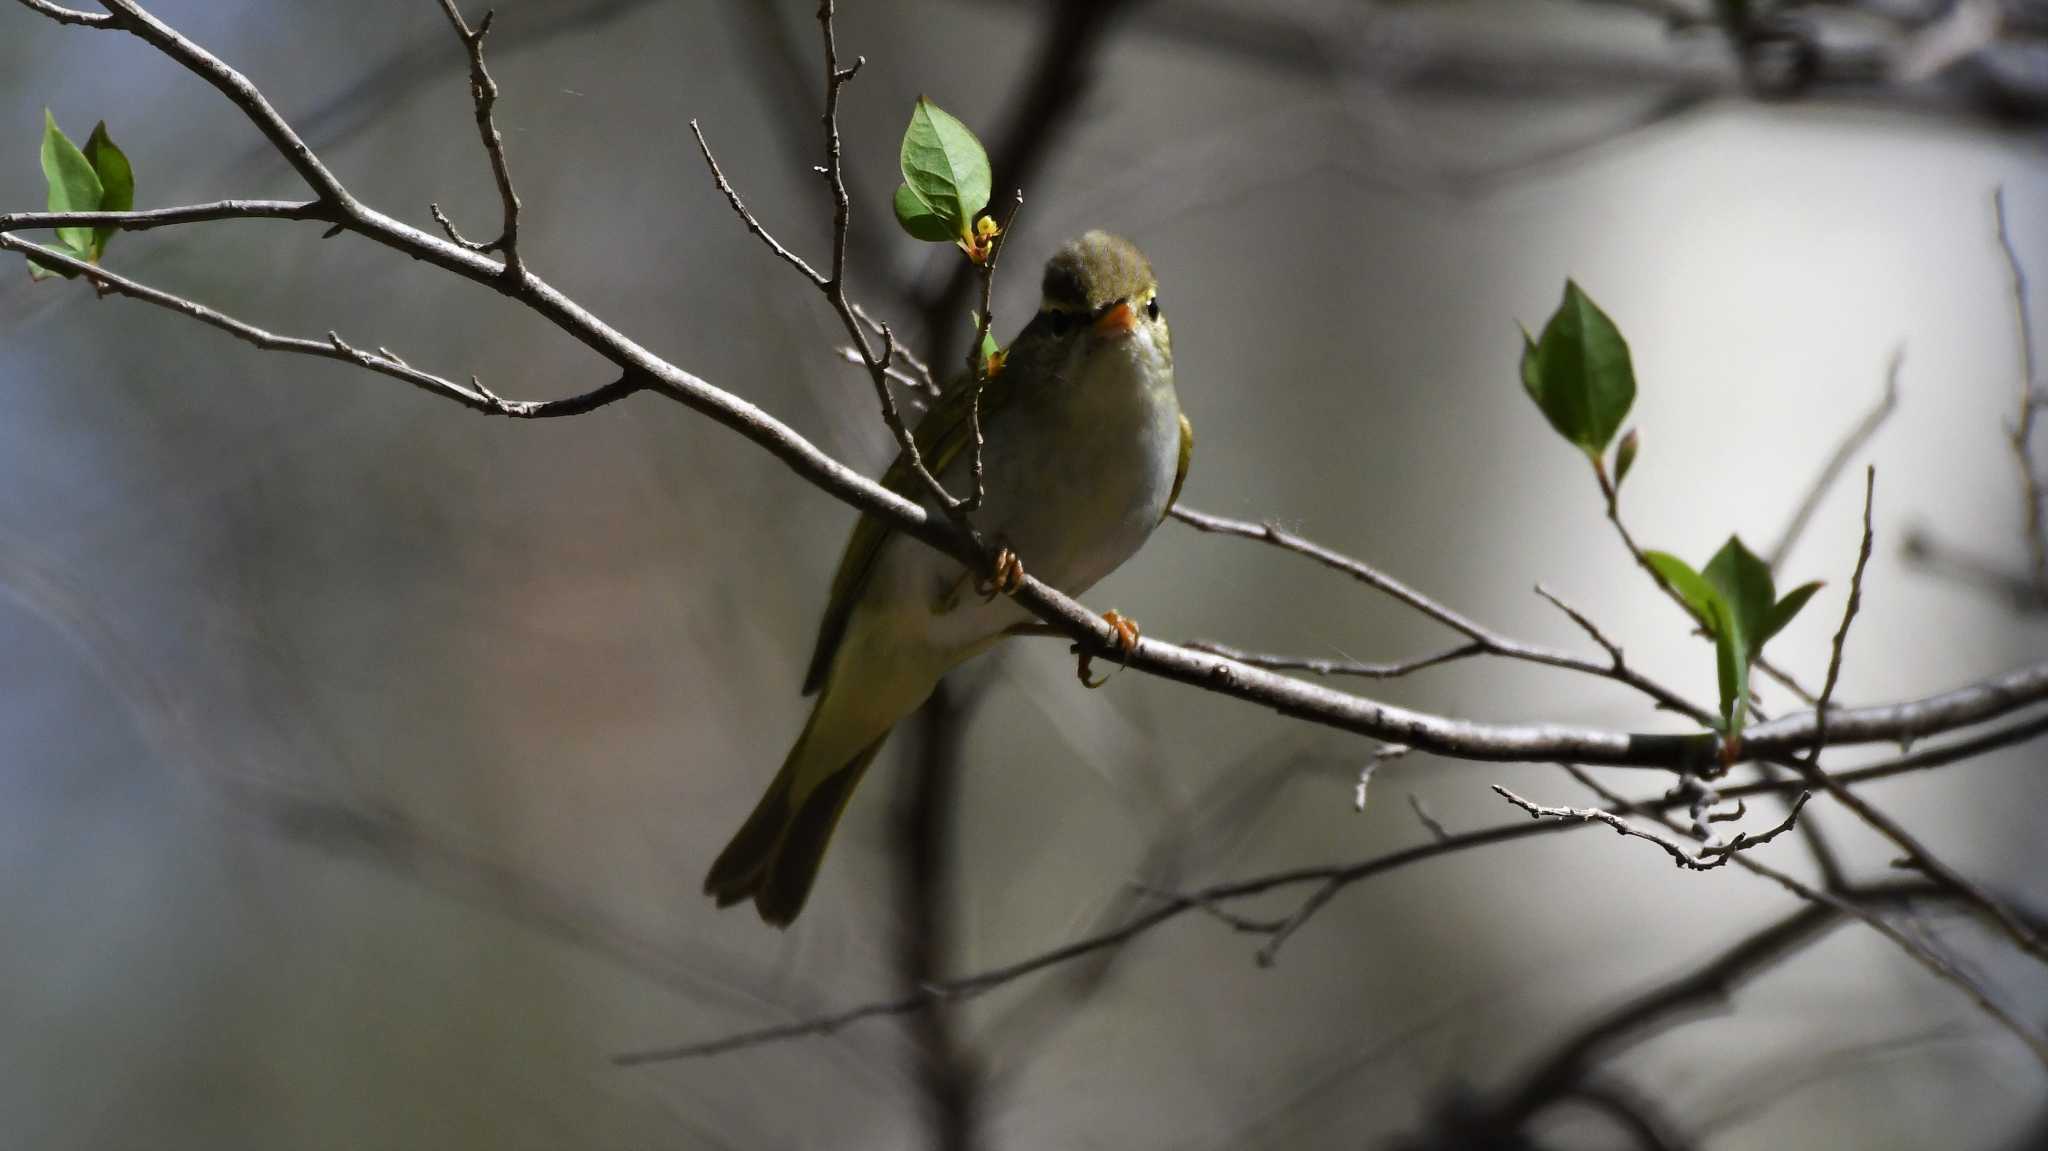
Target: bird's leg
1005 577
1126 642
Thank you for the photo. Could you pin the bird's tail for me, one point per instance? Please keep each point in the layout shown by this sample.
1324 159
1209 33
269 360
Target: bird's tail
774 857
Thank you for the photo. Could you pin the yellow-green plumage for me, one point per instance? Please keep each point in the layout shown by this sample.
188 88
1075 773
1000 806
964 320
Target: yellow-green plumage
1085 451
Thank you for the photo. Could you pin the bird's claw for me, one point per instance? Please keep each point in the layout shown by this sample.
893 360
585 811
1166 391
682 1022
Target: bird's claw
1006 576
1126 642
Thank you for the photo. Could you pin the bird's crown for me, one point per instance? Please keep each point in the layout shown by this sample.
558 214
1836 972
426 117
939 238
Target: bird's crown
1095 271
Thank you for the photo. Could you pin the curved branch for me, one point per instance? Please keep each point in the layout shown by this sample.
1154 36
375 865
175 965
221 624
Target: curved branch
643 370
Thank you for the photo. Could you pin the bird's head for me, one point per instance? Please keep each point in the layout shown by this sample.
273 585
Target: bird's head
1099 292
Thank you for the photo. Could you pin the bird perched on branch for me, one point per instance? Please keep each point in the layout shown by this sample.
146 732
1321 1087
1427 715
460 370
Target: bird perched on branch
1085 451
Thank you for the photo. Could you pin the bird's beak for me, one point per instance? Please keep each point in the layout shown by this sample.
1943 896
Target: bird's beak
1119 321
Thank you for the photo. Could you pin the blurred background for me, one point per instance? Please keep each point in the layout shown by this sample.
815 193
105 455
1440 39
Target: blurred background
363 756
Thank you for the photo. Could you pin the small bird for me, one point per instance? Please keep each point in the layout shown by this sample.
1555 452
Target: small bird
1085 450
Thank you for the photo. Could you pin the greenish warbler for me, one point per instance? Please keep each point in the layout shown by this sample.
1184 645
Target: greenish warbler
1085 450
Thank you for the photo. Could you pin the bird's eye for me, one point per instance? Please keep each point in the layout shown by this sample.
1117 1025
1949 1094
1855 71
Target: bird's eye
1152 307
1059 320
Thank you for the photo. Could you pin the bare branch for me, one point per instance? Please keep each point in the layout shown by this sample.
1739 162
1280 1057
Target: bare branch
475 396
1563 1072
1920 952
1827 691
1920 857
1923 551
1429 822
454 233
852 356
1851 444
2022 431
834 288
1489 641
1210 900
1327 667
69 15
1586 625
641 369
746 217
1709 857
483 92
164 217
924 380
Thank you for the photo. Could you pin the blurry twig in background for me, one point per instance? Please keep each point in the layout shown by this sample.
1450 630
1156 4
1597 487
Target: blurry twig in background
2028 591
1936 963
929 816
1173 905
1855 441
1563 1073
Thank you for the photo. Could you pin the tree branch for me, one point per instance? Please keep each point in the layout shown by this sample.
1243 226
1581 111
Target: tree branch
1709 857
2022 430
165 217
1488 641
483 92
476 396
1313 702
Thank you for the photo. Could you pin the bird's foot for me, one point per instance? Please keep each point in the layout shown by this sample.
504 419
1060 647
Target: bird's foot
1126 642
1005 577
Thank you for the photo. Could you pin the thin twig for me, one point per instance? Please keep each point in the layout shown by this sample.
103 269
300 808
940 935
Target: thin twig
924 381
483 92
1585 625
879 366
475 396
1563 1072
753 225
979 369
2022 431
1327 667
454 233
1849 610
1920 857
852 356
1489 641
1430 823
1927 957
1851 444
165 217
1211 899
1709 856
70 15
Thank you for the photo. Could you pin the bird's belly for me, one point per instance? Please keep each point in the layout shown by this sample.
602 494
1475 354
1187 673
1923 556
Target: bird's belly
1071 517
1076 519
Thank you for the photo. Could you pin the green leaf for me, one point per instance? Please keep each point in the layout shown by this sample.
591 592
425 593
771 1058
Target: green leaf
921 222
117 183
74 186
1731 662
1701 598
1785 609
944 167
1579 373
1744 582
1625 457
988 348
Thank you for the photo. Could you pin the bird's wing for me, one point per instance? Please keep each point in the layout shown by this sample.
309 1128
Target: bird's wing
1180 469
941 435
